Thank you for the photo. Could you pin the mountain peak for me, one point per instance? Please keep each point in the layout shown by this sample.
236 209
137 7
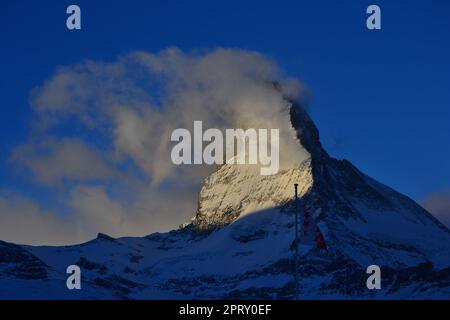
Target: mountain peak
353 208
307 132
235 190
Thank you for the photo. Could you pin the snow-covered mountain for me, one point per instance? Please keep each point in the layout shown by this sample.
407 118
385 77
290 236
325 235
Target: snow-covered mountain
240 244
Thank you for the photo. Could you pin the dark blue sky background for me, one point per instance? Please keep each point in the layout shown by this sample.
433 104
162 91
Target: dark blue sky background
380 98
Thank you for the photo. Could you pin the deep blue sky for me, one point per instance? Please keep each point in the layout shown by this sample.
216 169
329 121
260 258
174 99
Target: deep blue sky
380 98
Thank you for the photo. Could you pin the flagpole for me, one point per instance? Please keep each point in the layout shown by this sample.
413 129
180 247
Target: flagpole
296 243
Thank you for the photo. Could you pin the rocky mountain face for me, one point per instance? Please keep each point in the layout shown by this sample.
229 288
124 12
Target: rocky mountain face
240 242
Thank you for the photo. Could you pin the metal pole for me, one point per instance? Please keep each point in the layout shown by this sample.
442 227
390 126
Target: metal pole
296 242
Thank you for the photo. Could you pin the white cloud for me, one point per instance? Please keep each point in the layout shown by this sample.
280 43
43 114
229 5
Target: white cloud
52 161
133 105
24 221
150 210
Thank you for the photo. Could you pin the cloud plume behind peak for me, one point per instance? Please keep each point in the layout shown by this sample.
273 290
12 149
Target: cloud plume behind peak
101 127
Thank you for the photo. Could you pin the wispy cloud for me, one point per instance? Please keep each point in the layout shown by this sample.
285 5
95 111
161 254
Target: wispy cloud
116 165
53 160
24 221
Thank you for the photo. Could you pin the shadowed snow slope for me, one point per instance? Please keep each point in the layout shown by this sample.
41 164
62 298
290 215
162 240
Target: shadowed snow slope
240 242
